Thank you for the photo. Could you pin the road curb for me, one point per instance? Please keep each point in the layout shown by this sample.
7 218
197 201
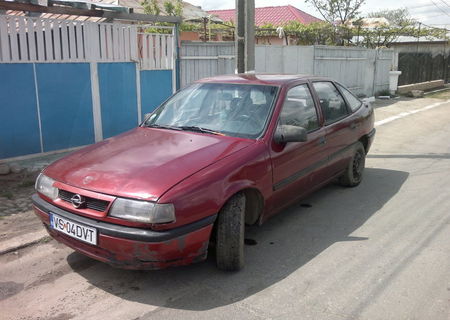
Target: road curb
23 241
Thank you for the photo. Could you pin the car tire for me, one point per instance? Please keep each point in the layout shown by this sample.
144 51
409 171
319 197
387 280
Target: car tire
354 172
230 234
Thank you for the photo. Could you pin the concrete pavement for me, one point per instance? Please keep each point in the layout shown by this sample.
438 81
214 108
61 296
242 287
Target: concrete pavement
378 251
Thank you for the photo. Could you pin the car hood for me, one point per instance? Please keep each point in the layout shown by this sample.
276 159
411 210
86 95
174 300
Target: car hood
142 163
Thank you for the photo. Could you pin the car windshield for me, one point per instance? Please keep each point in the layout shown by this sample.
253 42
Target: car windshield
228 109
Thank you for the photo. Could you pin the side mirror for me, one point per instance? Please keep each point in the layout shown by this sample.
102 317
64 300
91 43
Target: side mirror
287 133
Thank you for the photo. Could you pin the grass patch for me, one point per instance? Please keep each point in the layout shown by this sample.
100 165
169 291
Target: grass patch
7 194
444 94
27 183
46 239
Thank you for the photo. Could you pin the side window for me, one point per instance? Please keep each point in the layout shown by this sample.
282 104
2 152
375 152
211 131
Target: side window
298 109
353 101
332 104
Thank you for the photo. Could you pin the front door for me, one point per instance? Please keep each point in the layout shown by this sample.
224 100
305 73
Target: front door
296 165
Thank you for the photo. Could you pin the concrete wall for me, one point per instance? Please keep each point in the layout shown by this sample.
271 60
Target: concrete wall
285 59
202 59
364 71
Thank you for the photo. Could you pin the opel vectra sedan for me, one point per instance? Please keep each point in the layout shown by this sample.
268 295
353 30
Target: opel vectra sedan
223 153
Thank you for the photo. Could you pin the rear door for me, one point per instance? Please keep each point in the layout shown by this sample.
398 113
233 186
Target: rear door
295 164
340 126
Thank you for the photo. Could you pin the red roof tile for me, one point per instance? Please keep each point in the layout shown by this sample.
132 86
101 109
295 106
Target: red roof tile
274 15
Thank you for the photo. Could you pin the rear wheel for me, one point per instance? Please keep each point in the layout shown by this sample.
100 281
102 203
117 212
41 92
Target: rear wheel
230 234
354 172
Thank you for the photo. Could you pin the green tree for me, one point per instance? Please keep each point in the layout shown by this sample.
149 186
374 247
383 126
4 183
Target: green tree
400 24
396 17
337 10
313 33
151 7
384 36
173 9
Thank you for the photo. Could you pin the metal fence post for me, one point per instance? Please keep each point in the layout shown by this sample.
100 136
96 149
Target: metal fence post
374 75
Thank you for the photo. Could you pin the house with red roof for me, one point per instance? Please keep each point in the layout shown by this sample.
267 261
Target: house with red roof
276 16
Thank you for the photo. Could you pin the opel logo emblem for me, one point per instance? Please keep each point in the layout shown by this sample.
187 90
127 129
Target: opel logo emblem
78 201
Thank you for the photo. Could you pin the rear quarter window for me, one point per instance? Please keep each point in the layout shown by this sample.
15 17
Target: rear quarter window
353 102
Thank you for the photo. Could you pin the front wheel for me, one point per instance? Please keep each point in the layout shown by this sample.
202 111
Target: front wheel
354 172
230 234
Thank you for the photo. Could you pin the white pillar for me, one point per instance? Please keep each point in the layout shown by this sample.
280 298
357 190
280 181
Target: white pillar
393 80
96 104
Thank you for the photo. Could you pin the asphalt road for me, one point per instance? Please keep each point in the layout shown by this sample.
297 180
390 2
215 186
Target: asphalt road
378 251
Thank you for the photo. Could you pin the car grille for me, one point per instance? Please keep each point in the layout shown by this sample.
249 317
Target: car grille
91 203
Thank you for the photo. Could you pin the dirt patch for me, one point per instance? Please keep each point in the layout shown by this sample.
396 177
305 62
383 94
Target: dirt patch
9 288
15 192
61 316
76 262
19 224
382 103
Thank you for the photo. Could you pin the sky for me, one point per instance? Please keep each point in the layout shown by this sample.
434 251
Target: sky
431 12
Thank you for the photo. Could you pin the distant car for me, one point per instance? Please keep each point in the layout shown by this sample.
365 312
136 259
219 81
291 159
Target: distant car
224 152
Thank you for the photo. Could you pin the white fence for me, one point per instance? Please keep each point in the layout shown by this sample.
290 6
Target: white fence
25 39
364 71
156 50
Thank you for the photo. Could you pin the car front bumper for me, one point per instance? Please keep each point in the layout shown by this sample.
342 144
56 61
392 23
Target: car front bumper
370 138
134 248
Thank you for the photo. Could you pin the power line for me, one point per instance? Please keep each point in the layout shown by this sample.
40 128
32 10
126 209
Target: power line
421 6
429 26
440 8
437 15
445 3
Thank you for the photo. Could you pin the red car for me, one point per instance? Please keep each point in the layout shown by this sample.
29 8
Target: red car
222 153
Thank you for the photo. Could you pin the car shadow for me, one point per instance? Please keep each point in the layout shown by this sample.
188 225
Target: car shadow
280 247
410 156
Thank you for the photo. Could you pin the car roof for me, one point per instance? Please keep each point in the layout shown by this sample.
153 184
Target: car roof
260 78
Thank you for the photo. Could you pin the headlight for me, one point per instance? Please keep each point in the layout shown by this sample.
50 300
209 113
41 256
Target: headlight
142 211
45 186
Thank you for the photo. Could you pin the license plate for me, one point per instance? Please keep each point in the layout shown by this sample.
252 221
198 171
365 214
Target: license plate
73 229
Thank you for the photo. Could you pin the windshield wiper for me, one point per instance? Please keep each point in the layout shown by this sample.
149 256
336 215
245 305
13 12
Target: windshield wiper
200 129
162 126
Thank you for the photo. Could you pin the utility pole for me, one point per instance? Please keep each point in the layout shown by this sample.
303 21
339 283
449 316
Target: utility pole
245 35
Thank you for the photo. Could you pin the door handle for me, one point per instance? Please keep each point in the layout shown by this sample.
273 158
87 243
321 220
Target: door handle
354 125
322 141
